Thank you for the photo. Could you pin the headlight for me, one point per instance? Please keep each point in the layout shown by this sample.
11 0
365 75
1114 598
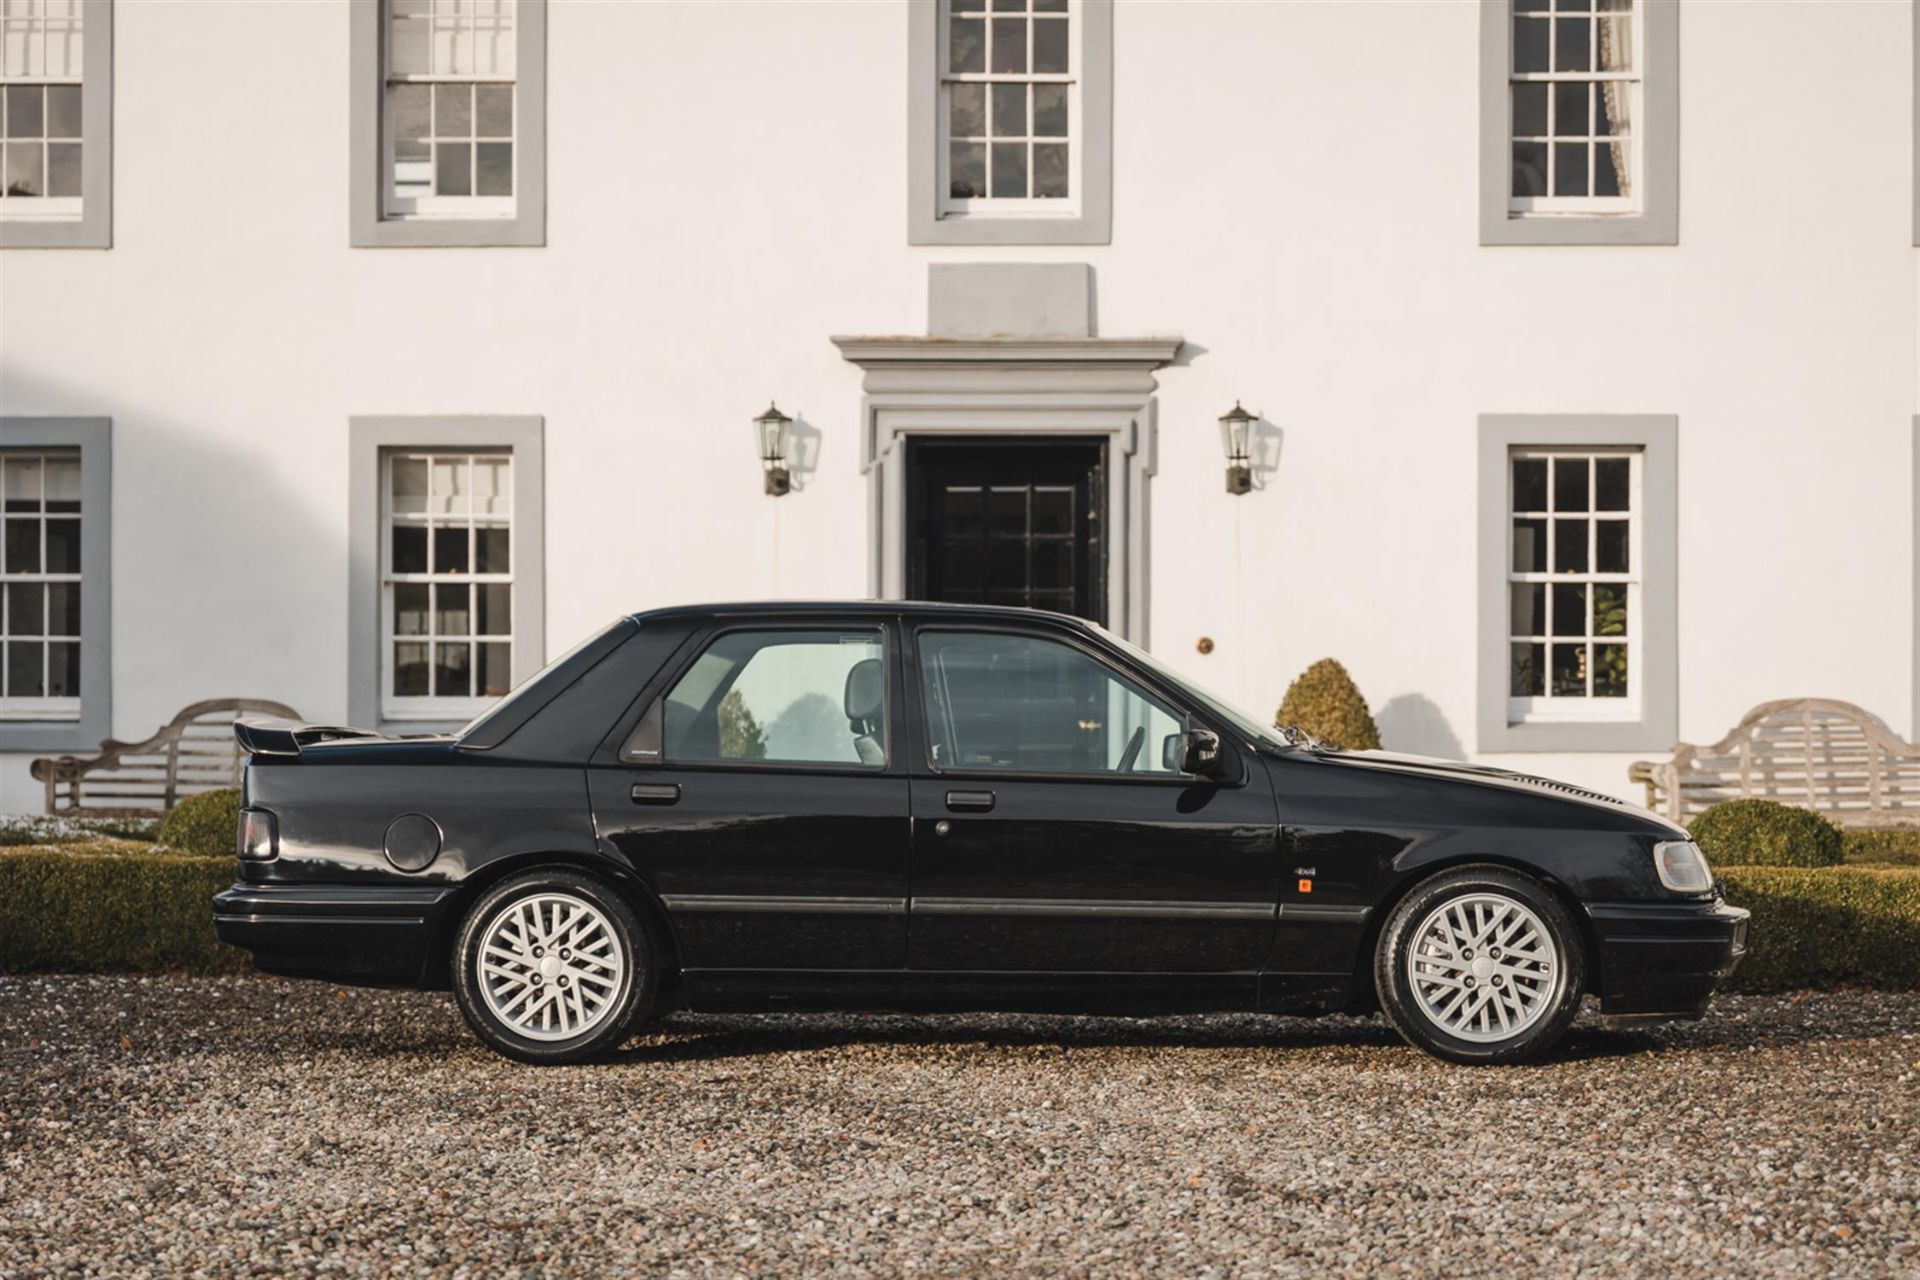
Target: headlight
259 838
1682 867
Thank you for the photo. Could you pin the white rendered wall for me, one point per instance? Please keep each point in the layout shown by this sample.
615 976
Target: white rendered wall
1294 192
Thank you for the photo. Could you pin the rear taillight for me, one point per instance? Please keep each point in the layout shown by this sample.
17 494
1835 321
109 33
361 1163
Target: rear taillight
259 837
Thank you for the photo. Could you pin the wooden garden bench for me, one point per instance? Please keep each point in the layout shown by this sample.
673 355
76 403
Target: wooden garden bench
1832 757
194 752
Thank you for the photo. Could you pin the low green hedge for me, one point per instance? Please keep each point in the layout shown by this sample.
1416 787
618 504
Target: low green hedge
111 907
1765 833
124 906
206 824
1882 848
1823 926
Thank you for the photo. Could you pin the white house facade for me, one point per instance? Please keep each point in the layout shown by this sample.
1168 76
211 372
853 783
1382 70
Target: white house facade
363 355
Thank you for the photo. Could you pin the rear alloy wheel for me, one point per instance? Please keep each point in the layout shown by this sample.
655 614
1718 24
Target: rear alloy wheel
553 966
1481 965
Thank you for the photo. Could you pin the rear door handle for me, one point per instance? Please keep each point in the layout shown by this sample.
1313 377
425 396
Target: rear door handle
970 801
656 793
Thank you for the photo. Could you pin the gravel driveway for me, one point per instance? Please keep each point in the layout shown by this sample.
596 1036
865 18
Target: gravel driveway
171 1126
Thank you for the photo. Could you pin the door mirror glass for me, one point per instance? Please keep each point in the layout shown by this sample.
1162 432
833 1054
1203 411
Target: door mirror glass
1200 752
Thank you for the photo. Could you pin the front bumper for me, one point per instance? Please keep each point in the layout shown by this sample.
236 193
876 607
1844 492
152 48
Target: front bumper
1664 959
367 935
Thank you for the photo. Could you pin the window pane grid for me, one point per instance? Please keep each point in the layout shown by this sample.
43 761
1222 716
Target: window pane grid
450 106
40 584
1574 87
1008 101
1571 580
40 71
448 604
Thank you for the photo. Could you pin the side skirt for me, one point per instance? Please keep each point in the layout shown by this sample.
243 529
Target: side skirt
908 991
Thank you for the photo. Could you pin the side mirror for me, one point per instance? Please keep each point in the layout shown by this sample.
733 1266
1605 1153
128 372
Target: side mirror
1197 751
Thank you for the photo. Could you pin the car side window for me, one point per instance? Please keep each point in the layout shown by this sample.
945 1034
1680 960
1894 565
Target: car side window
798 697
1024 704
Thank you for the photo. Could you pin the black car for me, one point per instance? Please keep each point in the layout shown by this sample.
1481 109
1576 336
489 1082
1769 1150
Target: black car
929 807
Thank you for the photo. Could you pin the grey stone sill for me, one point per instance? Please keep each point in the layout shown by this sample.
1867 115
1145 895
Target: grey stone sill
1597 229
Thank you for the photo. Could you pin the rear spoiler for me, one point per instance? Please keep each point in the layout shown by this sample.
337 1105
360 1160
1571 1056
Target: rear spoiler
266 736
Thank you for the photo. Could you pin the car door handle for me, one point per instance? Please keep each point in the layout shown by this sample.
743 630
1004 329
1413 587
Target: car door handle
656 793
970 801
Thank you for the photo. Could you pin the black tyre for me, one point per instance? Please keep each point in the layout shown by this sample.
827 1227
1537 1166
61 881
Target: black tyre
553 966
1481 965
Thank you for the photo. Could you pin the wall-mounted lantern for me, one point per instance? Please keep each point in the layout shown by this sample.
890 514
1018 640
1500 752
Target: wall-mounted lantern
1236 437
771 431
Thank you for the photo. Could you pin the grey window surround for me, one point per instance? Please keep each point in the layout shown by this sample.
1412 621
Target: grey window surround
368 438
93 437
367 224
1096 388
1657 726
1658 130
1094 222
93 229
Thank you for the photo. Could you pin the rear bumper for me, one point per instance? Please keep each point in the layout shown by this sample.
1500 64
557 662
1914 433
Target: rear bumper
368 935
1665 959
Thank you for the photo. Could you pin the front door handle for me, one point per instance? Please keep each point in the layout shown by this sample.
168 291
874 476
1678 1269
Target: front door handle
970 801
656 793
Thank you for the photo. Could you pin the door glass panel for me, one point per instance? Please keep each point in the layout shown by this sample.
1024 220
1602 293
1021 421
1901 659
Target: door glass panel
1028 705
803 697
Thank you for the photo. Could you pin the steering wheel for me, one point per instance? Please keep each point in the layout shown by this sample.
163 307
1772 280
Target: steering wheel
1132 753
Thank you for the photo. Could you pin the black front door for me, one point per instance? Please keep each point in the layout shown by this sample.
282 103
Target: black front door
1013 522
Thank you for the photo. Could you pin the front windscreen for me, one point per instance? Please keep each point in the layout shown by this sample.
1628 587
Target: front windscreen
1239 720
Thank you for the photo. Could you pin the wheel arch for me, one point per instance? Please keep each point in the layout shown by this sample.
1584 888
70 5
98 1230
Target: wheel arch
1366 998
636 892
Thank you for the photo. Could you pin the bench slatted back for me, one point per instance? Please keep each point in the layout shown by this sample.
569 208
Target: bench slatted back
193 752
1835 758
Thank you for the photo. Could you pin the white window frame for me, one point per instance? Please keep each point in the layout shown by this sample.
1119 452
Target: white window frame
376 219
1653 551
83 221
1650 212
397 707
1549 708
1009 206
60 725
46 707
369 542
1085 215
1551 205
438 206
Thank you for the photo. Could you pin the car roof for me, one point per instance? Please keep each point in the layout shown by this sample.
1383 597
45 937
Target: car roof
911 608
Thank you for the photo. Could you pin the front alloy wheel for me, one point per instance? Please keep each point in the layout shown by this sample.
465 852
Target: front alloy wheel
553 966
1481 965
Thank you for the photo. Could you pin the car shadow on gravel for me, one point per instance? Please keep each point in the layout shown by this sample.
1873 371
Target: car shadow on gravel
694 1038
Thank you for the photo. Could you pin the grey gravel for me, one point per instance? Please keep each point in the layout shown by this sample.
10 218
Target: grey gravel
182 1126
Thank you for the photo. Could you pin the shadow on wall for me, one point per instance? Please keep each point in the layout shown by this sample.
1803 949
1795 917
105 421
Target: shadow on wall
225 582
803 451
1413 724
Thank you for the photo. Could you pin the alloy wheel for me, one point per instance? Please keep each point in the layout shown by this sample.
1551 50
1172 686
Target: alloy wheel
550 966
1483 967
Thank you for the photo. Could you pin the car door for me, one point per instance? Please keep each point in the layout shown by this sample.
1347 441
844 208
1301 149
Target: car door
1052 833
763 797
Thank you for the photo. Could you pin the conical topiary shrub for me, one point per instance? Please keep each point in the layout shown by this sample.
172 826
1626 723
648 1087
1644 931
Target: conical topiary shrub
1327 704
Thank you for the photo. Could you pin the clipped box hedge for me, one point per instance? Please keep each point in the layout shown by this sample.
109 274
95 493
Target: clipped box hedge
1896 848
1827 926
121 906
112 906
